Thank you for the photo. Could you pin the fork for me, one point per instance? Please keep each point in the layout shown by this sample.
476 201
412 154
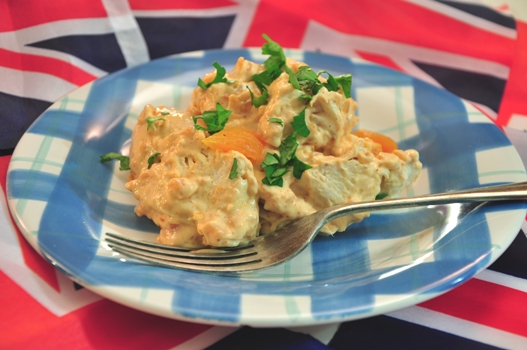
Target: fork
282 245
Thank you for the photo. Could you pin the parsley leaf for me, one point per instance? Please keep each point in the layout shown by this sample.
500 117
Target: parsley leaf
299 167
274 65
151 159
276 59
270 159
292 78
345 81
334 82
305 97
124 160
288 148
219 78
330 84
262 99
274 175
234 169
150 121
215 120
381 196
276 165
308 81
276 120
299 124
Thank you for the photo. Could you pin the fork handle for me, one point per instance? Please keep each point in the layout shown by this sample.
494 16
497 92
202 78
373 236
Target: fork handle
509 192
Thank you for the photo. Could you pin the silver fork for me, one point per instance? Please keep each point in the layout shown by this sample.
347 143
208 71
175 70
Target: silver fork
282 245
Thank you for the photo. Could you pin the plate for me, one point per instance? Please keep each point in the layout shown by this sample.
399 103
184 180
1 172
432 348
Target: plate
63 199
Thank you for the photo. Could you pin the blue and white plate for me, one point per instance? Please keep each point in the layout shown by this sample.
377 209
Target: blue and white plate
63 199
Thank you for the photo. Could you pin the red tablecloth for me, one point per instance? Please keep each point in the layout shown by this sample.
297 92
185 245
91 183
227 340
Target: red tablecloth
49 48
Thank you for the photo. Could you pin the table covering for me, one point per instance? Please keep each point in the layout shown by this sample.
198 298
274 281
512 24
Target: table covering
48 49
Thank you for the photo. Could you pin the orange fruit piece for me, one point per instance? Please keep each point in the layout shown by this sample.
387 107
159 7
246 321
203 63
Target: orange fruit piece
245 141
387 143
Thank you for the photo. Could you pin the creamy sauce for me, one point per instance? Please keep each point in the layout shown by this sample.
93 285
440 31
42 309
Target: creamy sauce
187 191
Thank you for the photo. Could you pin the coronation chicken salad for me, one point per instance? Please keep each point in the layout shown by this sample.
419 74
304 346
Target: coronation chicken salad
258 147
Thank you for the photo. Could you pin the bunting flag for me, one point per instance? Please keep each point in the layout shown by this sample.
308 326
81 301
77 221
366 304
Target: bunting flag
50 48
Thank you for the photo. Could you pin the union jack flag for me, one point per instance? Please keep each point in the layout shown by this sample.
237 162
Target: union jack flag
50 48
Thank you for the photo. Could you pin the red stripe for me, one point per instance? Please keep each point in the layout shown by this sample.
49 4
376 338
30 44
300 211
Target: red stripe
25 324
47 65
485 303
379 59
16 14
394 21
179 4
515 95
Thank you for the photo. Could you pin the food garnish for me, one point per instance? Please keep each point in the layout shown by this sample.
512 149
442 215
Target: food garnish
215 120
124 160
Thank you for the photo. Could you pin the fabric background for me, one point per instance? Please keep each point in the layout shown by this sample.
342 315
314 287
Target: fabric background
48 49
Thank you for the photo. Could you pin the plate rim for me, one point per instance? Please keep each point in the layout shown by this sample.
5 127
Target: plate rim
407 301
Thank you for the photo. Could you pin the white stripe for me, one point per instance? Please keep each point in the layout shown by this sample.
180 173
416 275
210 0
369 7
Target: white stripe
207 338
326 39
127 31
460 327
503 280
244 17
462 16
14 40
17 41
33 85
64 57
323 333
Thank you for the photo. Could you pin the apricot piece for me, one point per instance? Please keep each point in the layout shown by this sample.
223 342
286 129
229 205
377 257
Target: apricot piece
387 143
245 141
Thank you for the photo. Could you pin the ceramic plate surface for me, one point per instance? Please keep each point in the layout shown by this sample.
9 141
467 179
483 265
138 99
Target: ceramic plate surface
64 199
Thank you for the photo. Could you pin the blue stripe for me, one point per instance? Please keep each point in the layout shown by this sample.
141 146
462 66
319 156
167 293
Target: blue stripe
16 115
29 184
58 123
102 50
82 184
384 332
124 216
170 35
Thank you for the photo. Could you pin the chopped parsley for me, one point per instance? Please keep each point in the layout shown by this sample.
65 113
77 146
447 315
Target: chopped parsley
124 160
310 84
260 100
214 120
274 65
293 80
276 120
299 124
288 148
381 196
276 165
345 81
152 159
299 167
151 120
234 169
276 60
219 78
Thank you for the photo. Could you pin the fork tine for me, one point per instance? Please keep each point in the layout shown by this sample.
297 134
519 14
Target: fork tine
240 259
168 258
219 253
